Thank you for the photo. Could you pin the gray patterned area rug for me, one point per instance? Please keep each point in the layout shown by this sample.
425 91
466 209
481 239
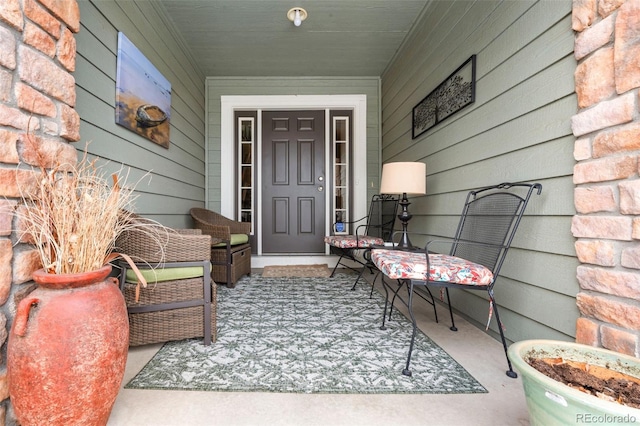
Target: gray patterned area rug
305 335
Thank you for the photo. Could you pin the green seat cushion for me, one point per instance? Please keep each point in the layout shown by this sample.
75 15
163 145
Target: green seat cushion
166 274
235 240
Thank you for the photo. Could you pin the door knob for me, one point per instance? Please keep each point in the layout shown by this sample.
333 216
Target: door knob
320 189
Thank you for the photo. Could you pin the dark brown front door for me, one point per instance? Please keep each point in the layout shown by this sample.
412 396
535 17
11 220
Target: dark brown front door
293 182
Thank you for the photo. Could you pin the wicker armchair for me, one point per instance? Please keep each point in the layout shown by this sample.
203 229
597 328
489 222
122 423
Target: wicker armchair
179 301
230 248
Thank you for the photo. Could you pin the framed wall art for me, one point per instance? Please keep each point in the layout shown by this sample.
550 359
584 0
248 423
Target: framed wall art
143 95
454 93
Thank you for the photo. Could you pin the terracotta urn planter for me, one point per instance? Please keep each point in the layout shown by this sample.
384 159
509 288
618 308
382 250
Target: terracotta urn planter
67 349
551 402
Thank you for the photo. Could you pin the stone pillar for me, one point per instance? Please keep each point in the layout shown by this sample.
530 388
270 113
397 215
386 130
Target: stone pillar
606 176
37 104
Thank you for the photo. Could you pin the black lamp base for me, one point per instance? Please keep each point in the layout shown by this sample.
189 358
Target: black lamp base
405 217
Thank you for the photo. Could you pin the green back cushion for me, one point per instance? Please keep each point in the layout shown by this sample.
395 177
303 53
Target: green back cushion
235 240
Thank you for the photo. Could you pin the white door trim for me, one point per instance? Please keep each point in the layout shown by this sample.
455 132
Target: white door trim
230 104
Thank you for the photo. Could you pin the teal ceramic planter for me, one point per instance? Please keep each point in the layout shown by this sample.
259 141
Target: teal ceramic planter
553 403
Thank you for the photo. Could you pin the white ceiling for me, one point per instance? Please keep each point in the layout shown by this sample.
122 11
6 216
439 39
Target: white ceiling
255 38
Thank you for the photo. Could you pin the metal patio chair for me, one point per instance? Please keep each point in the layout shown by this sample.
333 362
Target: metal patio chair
374 230
487 225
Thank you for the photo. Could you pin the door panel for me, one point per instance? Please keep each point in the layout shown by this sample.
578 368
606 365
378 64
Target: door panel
306 213
306 163
293 197
280 155
280 216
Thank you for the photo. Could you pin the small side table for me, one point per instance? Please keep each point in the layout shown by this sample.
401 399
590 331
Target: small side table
230 263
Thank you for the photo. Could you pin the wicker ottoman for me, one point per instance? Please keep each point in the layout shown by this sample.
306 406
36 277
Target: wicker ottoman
230 263
174 305
168 324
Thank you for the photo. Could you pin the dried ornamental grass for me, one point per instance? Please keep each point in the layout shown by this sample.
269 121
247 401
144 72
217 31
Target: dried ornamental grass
75 216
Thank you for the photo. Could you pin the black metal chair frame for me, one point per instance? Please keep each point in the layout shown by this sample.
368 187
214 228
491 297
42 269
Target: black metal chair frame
487 226
379 223
425 294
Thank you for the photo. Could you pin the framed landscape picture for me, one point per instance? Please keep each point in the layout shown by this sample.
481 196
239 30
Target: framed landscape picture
454 93
143 95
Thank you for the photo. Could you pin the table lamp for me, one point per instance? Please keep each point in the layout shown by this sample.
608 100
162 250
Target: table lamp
404 178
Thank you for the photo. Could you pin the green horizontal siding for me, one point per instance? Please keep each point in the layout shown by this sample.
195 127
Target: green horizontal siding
168 181
518 129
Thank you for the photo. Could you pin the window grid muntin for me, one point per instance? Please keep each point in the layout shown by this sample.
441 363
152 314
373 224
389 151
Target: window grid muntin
246 170
341 172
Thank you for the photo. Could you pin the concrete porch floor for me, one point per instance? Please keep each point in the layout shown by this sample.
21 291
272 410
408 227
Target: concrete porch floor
477 352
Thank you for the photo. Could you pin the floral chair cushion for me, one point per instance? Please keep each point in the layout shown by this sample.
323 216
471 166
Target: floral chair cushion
353 241
398 264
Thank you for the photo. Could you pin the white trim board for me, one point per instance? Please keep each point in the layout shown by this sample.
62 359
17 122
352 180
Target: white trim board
230 104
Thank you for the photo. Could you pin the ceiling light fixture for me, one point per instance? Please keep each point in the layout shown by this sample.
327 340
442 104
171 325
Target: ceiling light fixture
297 15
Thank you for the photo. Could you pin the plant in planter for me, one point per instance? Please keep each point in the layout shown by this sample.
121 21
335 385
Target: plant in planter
551 401
68 344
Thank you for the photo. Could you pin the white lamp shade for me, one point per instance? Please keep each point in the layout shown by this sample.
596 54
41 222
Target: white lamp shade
404 177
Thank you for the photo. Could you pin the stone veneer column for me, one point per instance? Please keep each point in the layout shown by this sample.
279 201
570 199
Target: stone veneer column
607 192
37 101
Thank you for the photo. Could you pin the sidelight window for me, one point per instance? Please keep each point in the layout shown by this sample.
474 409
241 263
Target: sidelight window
246 168
341 196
